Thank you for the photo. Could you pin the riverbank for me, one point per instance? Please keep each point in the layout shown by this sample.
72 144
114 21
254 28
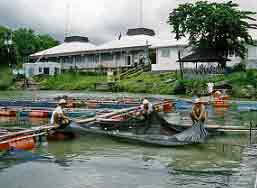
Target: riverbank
243 83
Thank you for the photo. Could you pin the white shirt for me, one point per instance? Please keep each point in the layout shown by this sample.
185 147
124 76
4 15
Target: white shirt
150 108
58 110
210 87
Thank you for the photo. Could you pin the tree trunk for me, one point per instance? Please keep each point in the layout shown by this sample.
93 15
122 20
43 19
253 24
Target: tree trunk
223 64
180 65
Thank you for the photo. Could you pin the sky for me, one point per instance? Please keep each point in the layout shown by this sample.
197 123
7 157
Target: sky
100 20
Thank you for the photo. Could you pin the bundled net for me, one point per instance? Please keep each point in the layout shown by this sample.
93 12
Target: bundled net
197 134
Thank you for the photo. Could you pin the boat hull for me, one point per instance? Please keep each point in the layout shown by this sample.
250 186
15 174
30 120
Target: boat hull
18 143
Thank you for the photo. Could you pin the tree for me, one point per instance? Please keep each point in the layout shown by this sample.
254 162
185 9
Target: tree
25 43
28 42
6 56
220 26
45 41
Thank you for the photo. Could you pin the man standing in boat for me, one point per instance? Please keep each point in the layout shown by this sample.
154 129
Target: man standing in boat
59 119
198 113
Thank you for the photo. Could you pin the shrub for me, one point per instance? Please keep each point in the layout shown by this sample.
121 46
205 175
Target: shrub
180 87
241 67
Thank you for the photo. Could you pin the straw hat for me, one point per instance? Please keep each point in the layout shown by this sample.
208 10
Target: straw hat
145 101
218 93
62 101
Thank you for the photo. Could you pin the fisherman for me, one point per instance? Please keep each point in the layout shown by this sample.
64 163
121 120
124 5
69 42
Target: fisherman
146 112
210 86
147 107
198 113
217 95
59 119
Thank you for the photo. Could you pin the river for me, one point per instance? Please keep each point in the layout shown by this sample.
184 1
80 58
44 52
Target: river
99 162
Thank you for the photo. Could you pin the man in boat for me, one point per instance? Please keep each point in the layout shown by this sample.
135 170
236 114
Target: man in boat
59 119
218 95
146 112
146 107
198 113
197 133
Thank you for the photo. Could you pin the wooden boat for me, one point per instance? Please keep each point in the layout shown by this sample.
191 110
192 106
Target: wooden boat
46 113
213 129
39 114
18 140
221 104
92 104
158 133
24 139
7 112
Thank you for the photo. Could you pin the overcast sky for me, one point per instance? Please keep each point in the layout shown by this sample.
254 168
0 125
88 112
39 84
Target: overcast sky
100 20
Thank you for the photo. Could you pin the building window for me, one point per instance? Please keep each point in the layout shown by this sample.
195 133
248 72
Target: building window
90 59
40 69
79 59
118 56
231 53
252 52
165 52
107 57
129 60
56 70
47 70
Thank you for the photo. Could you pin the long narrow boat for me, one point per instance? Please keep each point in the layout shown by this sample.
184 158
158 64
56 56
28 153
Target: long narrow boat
211 128
92 104
158 140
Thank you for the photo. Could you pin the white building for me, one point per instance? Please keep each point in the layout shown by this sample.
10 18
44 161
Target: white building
41 68
167 54
251 58
139 46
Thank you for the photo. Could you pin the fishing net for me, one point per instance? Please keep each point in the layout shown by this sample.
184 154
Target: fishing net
197 134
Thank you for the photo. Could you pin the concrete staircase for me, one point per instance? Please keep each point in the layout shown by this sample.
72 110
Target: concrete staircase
135 72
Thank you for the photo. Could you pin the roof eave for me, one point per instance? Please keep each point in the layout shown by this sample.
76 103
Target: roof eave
89 52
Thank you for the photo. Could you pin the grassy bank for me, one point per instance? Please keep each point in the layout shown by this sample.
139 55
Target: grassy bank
6 77
243 83
70 81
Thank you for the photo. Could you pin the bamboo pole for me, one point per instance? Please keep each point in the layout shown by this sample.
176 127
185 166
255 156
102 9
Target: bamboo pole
108 115
29 131
21 138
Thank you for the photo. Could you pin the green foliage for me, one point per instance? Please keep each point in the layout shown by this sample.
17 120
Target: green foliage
222 26
6 78
241 67
149 83
243 83
3 31
180 87
25 43
28 42
71 81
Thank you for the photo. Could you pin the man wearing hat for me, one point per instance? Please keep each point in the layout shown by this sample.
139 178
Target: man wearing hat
58 118
198 113
147 107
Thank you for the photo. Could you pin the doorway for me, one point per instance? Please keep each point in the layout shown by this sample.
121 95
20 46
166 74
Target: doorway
46 70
